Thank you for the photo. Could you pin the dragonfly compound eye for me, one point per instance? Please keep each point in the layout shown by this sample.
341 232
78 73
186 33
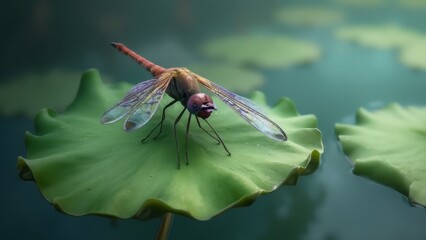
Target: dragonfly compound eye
201 105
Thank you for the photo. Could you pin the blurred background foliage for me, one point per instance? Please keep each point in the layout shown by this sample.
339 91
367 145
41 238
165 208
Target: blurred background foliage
69 37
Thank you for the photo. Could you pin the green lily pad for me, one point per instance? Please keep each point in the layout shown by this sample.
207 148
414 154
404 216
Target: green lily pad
233 78
387 146
413 3
362 3
411 44
379 36
413 55
308 16
262 51
84 167
28 93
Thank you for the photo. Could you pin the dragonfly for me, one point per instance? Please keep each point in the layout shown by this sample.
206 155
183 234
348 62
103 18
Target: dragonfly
141 102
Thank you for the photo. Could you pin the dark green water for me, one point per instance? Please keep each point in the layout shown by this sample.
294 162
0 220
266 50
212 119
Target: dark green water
330 204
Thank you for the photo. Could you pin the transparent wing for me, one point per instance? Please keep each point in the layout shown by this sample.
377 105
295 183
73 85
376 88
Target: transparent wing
136 95
246 108
145 109
139 105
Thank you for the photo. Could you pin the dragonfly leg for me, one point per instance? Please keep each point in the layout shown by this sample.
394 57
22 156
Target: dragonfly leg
220 139
199 125
186 138
176 140
160 124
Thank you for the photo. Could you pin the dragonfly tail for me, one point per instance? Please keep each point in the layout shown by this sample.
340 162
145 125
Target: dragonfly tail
154 69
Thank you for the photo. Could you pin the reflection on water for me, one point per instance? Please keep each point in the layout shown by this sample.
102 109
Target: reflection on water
330 204
294 211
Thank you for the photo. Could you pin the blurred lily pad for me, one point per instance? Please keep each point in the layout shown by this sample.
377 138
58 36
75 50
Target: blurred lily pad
411 44
83 167
378 36
413 3
361 3
413 55
233 78
262 51
28 93
387 146
308 16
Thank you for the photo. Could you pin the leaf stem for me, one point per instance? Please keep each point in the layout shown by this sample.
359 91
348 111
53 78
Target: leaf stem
164 229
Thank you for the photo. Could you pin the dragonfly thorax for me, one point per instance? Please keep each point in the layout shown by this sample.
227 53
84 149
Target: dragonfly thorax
182 85
201 105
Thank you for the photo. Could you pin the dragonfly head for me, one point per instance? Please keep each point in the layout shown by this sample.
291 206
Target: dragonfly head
201 105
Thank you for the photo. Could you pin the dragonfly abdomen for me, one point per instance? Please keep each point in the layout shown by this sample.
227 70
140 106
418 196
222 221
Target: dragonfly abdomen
154 69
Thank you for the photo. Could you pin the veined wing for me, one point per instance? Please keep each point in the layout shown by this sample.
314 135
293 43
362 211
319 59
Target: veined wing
246 108
132 98
139 105
146 108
